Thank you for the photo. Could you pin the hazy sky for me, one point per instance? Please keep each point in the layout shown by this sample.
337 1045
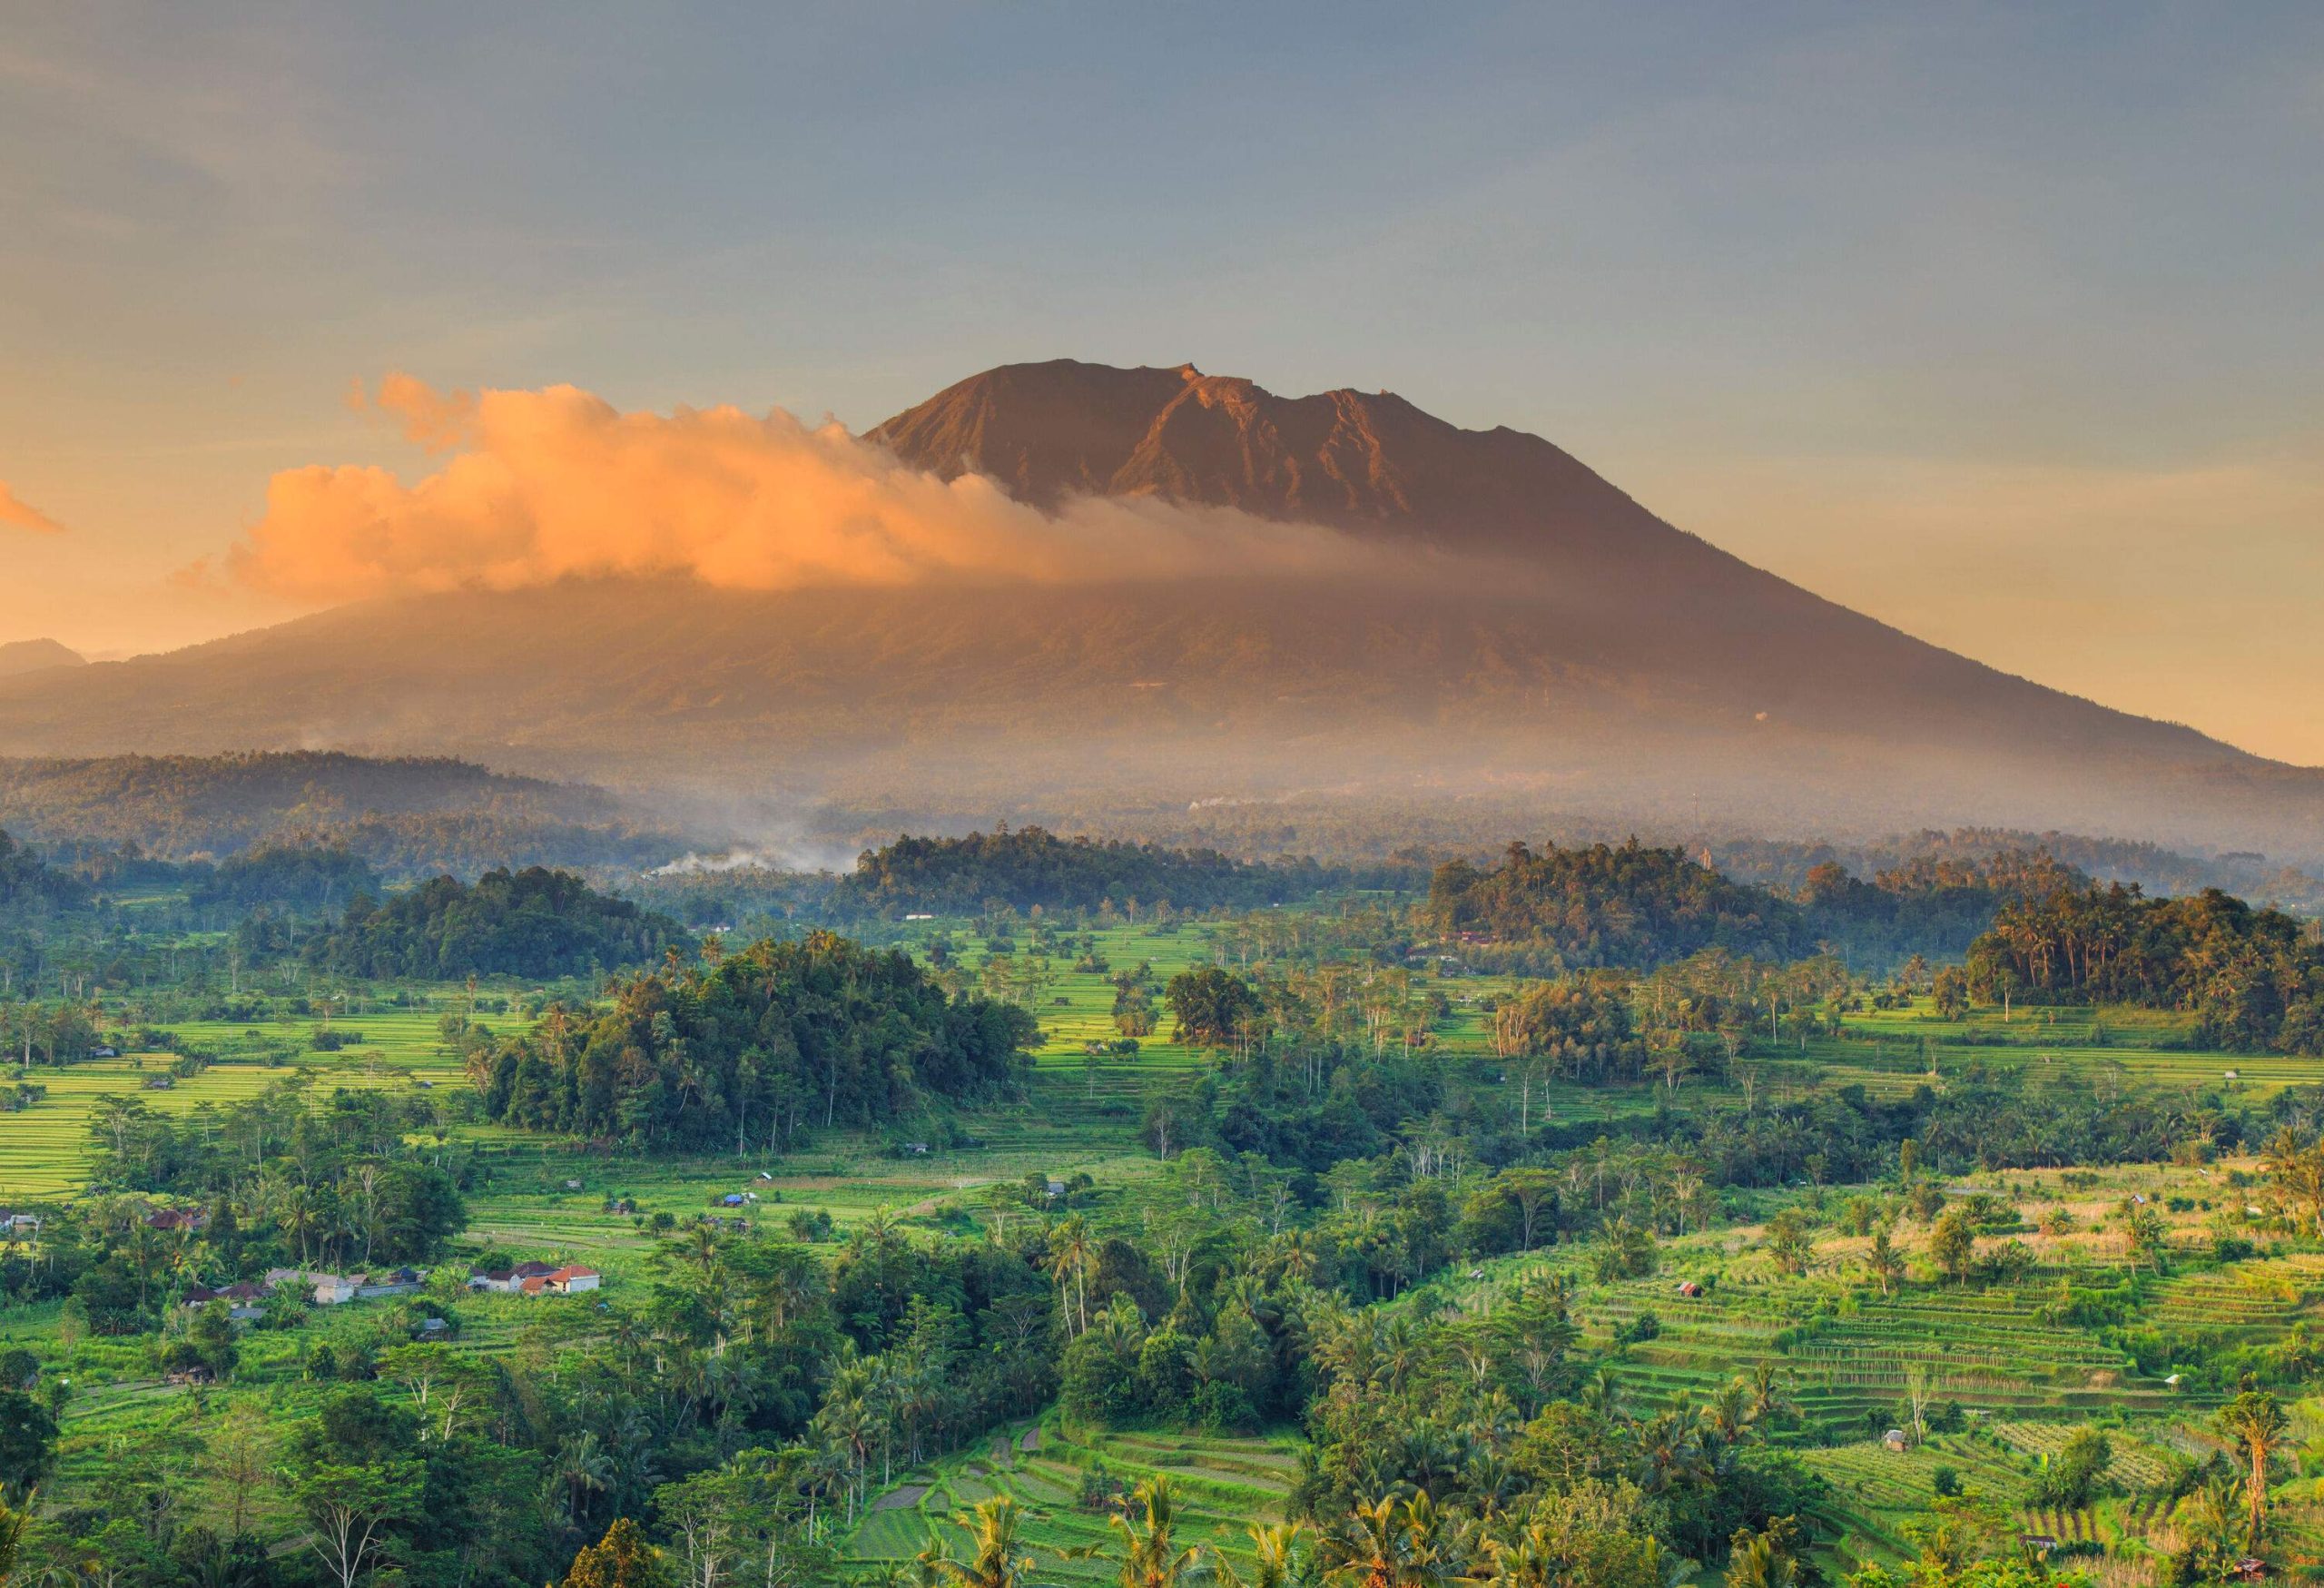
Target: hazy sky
2006 325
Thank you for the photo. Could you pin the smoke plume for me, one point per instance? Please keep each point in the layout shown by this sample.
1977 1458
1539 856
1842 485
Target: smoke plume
537 485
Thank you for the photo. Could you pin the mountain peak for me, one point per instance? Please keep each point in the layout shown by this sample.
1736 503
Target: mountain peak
1371 464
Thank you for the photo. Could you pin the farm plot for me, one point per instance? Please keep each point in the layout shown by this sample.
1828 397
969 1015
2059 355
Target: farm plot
1223 1484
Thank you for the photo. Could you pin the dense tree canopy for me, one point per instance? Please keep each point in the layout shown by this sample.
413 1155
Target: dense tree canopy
296 877
1604 905
2255 977
28 886
534 922
1932 905
755 1049
1029 866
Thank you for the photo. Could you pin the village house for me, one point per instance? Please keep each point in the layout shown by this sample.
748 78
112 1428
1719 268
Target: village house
328 1289
570 1280
1894 1440
190 1220
508 1281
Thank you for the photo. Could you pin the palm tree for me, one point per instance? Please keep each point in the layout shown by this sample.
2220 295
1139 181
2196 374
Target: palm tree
1150 1558
1730 1412
1072 1250
583 1468
1602 1398
1767 1399
1388 1544
2255 1421
1529 1558
1281 1554
1366 1549
2209 1525
1758 1559
1671 1449
994 1561
700 1248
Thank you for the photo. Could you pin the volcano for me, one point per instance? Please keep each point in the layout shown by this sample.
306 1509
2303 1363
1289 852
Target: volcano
1534 629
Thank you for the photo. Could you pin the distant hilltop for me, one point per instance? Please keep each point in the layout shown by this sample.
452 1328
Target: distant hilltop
30 655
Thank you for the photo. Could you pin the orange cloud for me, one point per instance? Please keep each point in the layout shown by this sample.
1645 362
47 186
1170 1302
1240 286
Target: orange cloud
557 482
22 515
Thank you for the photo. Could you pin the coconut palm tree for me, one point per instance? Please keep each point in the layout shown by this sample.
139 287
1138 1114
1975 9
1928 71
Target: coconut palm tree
2210 1528
1073 1250
1150 1556
1529 1558
1388 1544
1728 1414
1767 1399
1366 1549
992 1561
1759 1560
583 1468
1284 1556
2255 1421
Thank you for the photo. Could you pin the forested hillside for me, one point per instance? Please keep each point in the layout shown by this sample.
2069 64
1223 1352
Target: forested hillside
758 1048
534 922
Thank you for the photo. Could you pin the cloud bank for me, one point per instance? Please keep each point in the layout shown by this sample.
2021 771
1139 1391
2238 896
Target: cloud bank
538 486
19 513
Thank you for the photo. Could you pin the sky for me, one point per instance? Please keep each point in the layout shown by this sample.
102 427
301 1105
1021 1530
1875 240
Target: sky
2000 324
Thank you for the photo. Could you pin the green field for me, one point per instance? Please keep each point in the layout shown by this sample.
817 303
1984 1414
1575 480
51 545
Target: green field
1083 1111
1222 1483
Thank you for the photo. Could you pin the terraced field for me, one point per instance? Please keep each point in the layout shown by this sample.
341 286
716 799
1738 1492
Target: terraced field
1222 1484
1890 1051
43 1150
